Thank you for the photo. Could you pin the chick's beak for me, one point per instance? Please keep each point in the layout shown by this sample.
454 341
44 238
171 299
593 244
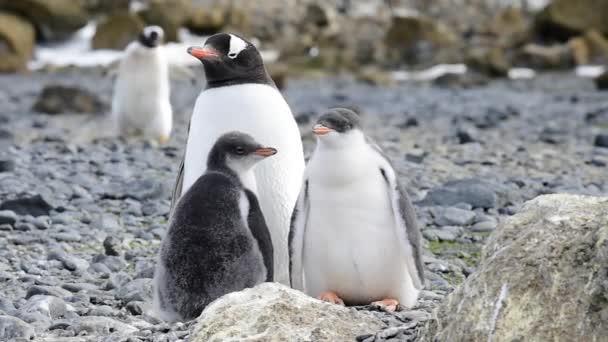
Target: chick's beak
319 129
202 52
265 151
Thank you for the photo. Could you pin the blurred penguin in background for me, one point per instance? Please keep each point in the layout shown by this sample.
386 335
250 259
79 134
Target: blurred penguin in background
140 105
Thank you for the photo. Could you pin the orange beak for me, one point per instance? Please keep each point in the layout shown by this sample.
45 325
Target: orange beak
319 129
202 53
265 151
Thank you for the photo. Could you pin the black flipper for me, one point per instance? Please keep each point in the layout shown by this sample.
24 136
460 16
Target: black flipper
259 230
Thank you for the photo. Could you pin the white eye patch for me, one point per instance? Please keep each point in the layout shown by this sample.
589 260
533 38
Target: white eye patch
236 46
153 30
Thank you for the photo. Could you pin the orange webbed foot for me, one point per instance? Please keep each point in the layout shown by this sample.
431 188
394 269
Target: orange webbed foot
330 297
387 304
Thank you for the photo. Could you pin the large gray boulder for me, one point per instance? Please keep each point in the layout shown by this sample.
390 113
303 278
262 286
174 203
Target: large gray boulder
54 19
274 312
565 18
17 38
543 277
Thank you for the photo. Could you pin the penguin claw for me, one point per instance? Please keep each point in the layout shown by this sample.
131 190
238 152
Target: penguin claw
330 297
388 304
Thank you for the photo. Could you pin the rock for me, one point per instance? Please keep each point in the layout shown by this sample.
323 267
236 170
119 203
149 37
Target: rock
136 290
46 306
256 313
54 19
135 307
414 38
510 27
465 136
34 205
375 76
47 291
168 14
24 226
557 56
117 31
99 325
492 62
550 258
448 233
111 246
452 216
478 193
206 21
59 99
70 262
484 226
562 19
601 82
7 165
12 328
601 140
8 217
590 48
17 40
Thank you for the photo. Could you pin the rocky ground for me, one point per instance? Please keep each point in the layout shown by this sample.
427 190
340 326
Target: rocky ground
82 214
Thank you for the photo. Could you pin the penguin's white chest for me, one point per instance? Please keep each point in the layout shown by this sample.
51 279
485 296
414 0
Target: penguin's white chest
351 246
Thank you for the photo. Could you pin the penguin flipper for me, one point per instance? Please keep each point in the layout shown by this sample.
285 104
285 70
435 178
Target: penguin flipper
297 231
177 190
407 226
259 230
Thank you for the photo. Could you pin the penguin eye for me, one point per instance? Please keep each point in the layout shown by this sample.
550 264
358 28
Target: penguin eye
232 55
239 150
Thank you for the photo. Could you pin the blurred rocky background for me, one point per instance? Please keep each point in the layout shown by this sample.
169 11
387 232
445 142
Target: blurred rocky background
486 108
490 36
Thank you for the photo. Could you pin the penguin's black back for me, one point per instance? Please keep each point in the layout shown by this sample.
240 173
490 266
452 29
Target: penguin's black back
209 249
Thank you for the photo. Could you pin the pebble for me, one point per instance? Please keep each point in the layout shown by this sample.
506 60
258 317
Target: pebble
135 290
100 325
13 328
8 217
70 262
484 226
478 193
24 226
601 140
34 205
454 216
48 291
7 165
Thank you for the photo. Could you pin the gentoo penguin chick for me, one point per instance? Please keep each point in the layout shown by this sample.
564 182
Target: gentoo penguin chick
217 240
354 237
241 96
140 105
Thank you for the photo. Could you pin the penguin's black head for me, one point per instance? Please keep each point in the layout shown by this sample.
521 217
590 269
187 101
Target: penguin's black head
340 120
229 59
339 128
151 36
237 151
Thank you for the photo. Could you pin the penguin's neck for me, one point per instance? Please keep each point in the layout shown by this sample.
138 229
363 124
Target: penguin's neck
257 75
339 164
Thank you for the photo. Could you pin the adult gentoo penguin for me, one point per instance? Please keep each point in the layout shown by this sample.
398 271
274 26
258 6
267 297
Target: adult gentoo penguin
240 95
354 237
140 105
217 240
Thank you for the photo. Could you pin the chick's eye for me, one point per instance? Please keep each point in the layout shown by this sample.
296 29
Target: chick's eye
232 55
239 150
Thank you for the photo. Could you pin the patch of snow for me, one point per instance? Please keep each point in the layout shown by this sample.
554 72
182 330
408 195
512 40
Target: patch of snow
590 71
521 73
431 73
